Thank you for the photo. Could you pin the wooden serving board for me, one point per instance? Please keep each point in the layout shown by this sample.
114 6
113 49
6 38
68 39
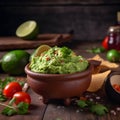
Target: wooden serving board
13 42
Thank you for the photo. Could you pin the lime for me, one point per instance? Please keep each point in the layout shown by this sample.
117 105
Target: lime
41 49
14 62
28 30
113 55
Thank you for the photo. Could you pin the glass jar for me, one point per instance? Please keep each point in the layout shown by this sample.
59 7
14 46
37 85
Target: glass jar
114 37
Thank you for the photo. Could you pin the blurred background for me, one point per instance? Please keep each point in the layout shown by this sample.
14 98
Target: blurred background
88 19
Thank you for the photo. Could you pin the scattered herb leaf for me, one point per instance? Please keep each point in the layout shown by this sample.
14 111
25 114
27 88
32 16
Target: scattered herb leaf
22 108
9 110
65 51
96 108
99 109
97 50
2 97
4 82
82 103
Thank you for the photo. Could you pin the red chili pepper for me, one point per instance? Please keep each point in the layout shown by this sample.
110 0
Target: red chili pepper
105 43
47 58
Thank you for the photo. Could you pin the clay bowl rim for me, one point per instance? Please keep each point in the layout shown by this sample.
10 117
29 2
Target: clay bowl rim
112 94
70 75
110 79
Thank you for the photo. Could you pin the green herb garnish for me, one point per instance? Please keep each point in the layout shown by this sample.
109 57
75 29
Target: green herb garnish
96 108
9 110
97 50
82 104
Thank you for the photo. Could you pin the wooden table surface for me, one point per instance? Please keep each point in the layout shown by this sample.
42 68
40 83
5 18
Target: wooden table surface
55 110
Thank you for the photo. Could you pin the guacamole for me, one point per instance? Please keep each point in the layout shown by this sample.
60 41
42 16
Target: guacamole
58 60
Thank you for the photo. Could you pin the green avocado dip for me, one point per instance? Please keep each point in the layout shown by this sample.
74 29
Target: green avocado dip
58 60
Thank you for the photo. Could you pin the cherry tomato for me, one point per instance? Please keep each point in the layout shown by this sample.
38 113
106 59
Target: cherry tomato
113 55
105 43
22 97
11 88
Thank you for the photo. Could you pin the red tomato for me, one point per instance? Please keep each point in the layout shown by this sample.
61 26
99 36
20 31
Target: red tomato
11 88
22 97
105 43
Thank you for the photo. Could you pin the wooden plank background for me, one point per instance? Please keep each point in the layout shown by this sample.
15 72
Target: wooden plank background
89 19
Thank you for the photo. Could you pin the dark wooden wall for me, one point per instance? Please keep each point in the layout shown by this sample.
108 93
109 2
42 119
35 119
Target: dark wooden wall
89 19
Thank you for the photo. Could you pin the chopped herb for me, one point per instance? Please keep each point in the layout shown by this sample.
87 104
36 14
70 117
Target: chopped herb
2 97
96 108
96 50
22 108
65 51
82 103
4 82
9 110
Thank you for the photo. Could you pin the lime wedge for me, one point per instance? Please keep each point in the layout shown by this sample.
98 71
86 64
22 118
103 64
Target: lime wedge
41 49
28 30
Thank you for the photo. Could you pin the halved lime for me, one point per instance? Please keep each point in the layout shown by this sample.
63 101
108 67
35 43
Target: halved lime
28 30
41 49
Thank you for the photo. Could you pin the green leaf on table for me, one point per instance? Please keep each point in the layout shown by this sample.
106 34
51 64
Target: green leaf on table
97 50
82 103
22 108
98 109
2 97
7 80
8 111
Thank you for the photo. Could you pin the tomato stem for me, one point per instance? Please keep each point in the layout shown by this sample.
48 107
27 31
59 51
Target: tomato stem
12 101
7 106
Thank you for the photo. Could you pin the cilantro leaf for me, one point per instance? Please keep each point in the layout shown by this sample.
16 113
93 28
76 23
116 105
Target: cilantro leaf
65 51
6 81
2 97
82 104
22 108
8 111
99 109
97 50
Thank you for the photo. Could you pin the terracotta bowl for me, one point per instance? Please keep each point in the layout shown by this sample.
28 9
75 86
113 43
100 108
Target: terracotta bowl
59 86
113 78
